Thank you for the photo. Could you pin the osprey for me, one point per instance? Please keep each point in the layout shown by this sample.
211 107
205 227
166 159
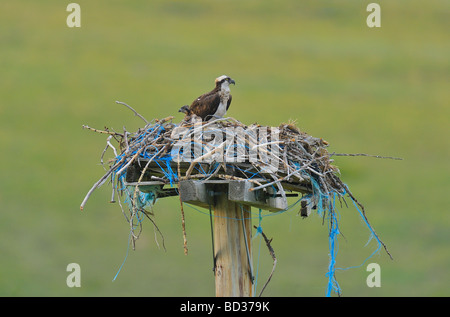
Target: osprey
213 104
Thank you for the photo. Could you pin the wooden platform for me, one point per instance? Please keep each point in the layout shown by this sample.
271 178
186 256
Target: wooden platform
200 190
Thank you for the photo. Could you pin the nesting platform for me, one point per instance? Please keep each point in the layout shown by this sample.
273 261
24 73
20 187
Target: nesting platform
228 167
200 192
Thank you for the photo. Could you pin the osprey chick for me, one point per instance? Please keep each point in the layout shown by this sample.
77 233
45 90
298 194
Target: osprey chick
185 109
189 115
213 104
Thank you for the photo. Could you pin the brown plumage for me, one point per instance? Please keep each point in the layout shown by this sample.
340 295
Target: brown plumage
213 104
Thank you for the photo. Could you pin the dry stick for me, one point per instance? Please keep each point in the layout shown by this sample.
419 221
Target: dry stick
111 146
130 161
223 176
221 120
133 235
285 161
113 194
182 210
123 211
135 112
272 254
161 121
157 229
276 181
104 151
100 181
125 140
205 156
197 127
268 143
101 131
214 173
369 155
280 187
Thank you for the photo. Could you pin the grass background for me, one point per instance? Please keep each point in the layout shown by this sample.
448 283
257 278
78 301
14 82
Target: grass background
380 91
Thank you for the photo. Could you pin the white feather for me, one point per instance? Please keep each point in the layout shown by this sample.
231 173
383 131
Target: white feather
224 96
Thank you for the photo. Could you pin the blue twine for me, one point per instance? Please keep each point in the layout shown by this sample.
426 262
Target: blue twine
126 256
259 228
258 232
333 246
333 285
373 235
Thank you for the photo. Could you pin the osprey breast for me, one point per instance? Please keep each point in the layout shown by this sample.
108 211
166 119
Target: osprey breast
224 96
222 108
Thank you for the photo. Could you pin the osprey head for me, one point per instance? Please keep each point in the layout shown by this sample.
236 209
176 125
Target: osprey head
185 109
224 79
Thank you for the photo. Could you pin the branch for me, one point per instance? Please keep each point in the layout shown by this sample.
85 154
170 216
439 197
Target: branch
272 254
200 158
135 112
101 131
99 182
369 155
183 223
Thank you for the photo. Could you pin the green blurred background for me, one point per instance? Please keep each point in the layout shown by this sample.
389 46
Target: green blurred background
381 91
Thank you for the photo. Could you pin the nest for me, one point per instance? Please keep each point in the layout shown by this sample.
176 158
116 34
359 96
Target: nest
151 161
166 152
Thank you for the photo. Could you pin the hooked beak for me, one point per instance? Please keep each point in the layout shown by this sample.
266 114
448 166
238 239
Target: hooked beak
231 81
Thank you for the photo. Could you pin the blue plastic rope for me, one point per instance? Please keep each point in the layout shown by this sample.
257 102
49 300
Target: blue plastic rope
126 256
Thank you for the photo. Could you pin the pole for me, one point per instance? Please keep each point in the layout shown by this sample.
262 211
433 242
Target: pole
232 245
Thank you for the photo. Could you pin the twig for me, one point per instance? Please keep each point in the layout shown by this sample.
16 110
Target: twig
274 258
135 112
111 146
101 131
130 161
99 182
222 176
157 229
125 140
161 121
276 180
182 212
205 156
363 154
103 153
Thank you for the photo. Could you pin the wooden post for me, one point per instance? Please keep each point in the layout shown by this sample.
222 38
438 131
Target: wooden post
232 245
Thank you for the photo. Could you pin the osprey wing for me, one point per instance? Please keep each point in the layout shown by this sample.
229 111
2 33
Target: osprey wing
205 105
229 102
